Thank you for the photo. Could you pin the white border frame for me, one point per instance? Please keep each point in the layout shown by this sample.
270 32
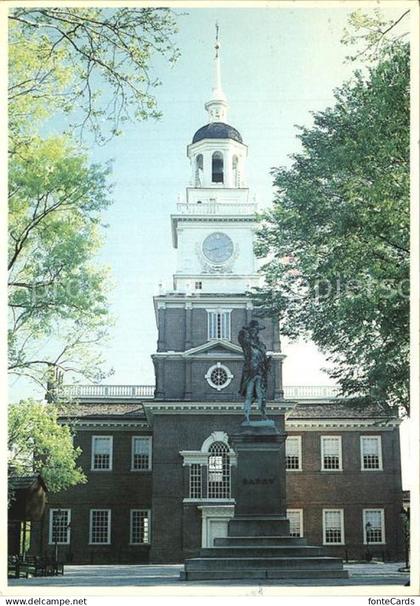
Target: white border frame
92 458
364 521
219 310
340 453
149 468
299 440
228 372
379 441
300 512
324 528
50 526
149 518
108 541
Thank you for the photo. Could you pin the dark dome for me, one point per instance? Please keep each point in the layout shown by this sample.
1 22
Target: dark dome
217 130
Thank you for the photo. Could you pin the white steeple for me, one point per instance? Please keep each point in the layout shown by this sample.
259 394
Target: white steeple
217 106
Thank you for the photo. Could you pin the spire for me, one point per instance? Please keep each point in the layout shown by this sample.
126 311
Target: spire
217 106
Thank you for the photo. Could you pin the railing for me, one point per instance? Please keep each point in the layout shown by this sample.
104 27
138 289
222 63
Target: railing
216 208
109 391
300 392
310 391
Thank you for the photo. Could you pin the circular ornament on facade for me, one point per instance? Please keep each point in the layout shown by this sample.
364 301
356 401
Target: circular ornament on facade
218 376
218 247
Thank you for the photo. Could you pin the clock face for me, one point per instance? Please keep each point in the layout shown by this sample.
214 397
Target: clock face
218 247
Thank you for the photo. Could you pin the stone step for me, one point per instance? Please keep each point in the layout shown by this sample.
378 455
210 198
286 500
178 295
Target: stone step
262 540
261 573
252 526
232 563
260 551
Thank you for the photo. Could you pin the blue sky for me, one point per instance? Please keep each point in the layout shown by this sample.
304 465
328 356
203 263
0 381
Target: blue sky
278 65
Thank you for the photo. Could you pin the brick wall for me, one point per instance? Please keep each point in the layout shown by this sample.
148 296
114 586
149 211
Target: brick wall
176 526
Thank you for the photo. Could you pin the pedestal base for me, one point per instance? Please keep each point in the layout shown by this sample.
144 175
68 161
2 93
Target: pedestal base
258 545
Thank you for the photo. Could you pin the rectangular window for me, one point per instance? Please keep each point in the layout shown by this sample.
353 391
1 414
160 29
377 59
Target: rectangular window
218 477
139 526
219 325
198 286
371 452
101 453
331 453
333 526
295 517
373 526
59 531
294 452
141 458
195 481
100 527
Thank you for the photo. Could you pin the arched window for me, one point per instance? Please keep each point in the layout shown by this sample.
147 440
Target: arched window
235 171
218 471
198 170
209 468
217 168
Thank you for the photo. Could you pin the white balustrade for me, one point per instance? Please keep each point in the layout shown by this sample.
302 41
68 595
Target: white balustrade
299 392
216 208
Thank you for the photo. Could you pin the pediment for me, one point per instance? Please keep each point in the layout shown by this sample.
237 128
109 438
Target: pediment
214 347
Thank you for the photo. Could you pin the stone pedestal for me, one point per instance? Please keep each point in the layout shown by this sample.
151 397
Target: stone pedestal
259 544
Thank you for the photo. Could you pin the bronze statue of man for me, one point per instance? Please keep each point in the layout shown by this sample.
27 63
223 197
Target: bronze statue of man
255 369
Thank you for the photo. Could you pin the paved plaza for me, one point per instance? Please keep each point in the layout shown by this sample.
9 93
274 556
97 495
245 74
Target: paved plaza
166 579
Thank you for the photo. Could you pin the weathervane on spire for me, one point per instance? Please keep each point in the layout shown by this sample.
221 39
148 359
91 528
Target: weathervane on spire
217 106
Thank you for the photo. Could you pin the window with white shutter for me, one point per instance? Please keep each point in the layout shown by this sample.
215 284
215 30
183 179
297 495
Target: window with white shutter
371 452
141 453
101 453
331 453
219 325
333 526
294 453
295 517
373 526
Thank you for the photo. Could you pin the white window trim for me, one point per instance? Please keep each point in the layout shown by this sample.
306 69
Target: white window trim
108 541
300 512
50 529
201 481
219 311
340 453
149 517
92 460
228 372
149 439
379 440
324 528
383 542
299 440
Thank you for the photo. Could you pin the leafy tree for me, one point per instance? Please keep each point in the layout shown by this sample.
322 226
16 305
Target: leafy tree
337 238
57 297
39 444
93 60
59 60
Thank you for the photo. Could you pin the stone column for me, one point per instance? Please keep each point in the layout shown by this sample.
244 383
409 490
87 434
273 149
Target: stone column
188 382
161 344
188 325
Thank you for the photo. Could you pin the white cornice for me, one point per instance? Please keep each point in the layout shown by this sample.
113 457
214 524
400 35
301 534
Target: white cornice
184 407
121 425
179 218
341 424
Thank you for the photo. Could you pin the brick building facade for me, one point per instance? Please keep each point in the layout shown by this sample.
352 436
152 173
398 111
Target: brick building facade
159 466
330 498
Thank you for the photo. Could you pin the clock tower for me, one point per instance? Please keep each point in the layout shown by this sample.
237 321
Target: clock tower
198 357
